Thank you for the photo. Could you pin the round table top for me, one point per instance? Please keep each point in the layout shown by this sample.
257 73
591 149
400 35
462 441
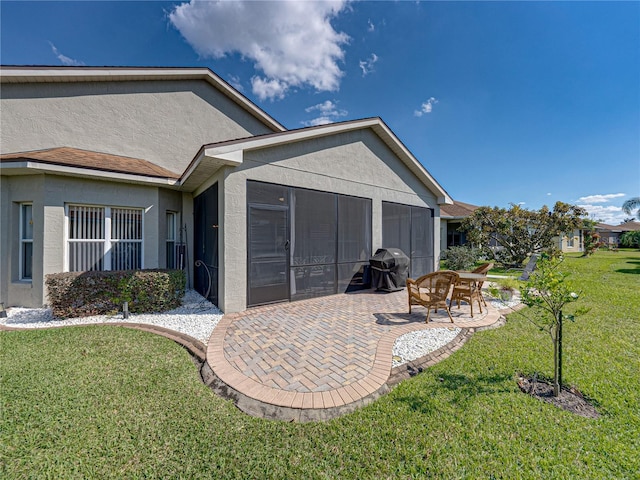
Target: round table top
471 276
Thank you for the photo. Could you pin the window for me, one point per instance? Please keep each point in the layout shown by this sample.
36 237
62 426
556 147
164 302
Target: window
570 243
104 238
172 223
26 241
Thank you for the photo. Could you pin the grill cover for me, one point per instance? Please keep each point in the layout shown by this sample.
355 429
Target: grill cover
389 269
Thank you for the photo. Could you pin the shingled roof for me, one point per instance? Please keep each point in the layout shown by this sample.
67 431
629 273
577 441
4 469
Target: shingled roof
74 157
457 210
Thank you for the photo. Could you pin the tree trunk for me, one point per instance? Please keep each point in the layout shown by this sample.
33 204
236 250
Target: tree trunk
559 352
557 357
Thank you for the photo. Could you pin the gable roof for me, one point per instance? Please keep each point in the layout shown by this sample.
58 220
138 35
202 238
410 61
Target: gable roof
74 161
213 156
34 74
457 210
210 157
629 226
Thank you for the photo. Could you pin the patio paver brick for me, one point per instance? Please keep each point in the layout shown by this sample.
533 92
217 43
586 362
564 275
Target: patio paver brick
323 353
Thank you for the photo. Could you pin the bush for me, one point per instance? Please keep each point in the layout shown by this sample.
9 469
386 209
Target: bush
461 257
630 239
81 294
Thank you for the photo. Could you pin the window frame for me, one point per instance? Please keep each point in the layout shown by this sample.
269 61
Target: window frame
108 239
171 238
570 241
23 242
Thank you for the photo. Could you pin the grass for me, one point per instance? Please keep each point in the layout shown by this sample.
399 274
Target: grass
107 402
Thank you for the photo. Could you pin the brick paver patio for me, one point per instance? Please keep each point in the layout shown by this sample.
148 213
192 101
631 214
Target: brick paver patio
330 353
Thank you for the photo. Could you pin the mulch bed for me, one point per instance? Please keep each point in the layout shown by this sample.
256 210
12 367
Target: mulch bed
570 399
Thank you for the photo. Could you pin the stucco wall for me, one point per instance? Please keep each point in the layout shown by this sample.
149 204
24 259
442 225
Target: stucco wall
16 190
355 163
164 122
50 194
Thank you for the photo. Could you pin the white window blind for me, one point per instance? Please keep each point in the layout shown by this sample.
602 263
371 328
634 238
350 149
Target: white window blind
104 238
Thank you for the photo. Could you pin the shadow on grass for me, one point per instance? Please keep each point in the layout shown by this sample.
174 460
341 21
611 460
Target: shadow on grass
633 271
462 388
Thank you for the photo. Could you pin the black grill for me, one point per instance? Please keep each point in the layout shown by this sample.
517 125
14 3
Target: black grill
389 269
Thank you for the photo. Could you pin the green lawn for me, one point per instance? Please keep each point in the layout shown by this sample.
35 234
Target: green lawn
100 402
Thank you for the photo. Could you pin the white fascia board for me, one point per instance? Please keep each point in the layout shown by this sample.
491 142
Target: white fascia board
232 158
64 170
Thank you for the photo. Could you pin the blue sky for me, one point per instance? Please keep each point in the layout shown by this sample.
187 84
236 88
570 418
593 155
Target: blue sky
503 102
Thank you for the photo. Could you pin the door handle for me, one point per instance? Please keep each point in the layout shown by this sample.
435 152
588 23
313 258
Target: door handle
286 245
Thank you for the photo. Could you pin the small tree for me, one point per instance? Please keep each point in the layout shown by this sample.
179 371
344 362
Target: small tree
547 292
591 238
518 232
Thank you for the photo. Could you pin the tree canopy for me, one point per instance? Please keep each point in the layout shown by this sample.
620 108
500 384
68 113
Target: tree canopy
630 205
511 235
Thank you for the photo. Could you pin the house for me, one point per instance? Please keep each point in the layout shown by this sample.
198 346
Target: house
610 234
130 168
453 214
451 217
571 242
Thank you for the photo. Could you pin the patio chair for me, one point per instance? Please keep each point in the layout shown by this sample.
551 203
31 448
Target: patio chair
483 270
470 290
431 291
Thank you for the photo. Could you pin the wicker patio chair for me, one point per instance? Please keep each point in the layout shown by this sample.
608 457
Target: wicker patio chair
470 290
431 291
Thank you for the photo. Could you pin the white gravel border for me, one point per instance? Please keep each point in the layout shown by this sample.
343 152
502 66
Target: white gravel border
196 317
413 345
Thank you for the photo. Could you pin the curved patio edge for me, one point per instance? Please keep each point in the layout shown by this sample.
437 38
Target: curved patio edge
262 401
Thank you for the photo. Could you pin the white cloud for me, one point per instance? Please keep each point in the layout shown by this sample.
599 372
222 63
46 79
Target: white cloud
548 194
269 88
367 65
600 198
292 43
370 26
611 214
426 107
329 113
236 83
64 59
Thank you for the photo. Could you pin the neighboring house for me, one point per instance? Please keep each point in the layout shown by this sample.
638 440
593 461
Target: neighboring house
573 242
131 168
451 217
610 234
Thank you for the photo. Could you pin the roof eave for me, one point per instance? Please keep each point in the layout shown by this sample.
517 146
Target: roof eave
20 167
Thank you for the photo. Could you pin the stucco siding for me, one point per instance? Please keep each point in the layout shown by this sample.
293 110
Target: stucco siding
49 195
164 122
17 190
168 201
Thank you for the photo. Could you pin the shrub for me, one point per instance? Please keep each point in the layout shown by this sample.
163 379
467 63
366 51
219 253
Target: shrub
630 239
461 257
81 294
